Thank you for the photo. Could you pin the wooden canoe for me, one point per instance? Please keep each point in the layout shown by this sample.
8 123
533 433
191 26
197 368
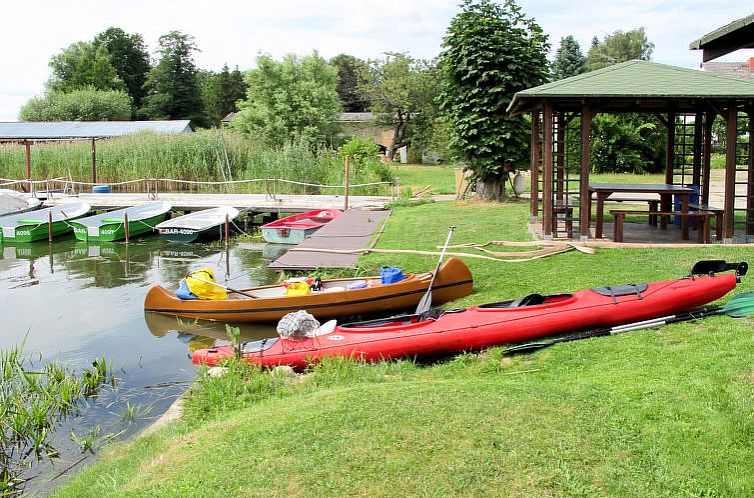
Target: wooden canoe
453 281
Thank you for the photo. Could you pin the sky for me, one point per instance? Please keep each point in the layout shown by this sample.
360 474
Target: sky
236 31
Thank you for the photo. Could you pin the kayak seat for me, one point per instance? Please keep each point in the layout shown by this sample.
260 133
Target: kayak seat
530 300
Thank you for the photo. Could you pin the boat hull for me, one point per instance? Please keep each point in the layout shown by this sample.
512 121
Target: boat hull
453 281
483 326
294 229
188 235
35 225
286 235
110 232
31 232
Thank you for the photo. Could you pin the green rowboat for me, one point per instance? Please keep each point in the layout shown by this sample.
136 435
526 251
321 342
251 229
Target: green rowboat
111 226
35 225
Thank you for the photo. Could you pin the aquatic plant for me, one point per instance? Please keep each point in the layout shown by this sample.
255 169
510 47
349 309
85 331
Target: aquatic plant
33 401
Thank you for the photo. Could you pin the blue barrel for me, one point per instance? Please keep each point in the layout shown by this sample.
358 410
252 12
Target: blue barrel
101 189
693 199
391 274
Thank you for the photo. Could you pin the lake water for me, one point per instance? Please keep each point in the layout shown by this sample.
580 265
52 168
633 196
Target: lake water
75 302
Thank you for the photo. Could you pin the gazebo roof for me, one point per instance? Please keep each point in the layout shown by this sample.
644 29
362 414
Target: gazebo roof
636 86
731 37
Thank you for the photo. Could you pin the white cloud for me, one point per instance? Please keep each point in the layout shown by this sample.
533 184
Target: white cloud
235 31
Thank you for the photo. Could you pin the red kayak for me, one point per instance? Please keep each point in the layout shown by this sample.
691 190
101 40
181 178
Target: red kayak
477 327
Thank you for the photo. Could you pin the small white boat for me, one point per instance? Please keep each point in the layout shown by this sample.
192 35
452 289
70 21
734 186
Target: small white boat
205 224
13 202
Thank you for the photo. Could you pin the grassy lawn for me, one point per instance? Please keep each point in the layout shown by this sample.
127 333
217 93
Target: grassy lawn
660 412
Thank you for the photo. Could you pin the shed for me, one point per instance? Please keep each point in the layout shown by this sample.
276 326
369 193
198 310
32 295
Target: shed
28 132
729 38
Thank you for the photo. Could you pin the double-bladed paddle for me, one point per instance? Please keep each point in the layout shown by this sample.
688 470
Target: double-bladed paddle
426 300
740 306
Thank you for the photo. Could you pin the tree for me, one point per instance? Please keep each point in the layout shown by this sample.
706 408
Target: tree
569 60
293 99
172 89
349 68
83 65
222 92
402 91
489 53
619 47
129 57
78 105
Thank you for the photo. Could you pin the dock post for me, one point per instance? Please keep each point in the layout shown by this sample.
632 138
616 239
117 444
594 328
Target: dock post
227 227
348 168
125 225
49 227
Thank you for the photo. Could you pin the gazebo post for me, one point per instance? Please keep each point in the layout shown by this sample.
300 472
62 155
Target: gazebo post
585 201
559 120
670 153
730 170
709 118
547 171
750 177
534 166
696 176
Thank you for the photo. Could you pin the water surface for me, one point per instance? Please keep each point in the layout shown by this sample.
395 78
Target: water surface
75 302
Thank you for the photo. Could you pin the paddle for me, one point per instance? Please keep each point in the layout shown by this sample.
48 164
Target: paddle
426 300
740 306
228 289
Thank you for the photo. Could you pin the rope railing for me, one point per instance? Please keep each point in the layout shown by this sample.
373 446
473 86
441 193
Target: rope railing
8 181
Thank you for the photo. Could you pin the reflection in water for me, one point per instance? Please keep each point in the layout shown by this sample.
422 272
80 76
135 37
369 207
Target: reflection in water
73 302
161 325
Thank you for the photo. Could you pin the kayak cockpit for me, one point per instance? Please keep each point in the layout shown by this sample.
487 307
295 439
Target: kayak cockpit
529 300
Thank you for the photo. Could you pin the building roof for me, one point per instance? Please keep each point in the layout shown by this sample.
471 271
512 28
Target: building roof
731 37
62 130
357 117
640 85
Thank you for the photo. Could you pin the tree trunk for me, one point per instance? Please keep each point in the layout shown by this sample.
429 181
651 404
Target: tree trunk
490 189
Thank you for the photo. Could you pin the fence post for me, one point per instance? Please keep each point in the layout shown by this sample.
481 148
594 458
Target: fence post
348 172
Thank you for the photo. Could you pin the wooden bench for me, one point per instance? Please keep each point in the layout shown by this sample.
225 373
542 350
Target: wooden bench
703 218
654 206
717 212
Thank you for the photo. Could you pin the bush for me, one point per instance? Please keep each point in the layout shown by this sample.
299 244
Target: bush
80 105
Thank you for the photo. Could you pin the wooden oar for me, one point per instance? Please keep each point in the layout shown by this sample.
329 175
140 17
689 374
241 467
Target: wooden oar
228 289
426 300
740 306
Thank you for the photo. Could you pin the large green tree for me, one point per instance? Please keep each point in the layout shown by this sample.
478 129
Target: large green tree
292 99
78 105
403 92
172 88
83 65
619 47
349 68
222 92
569 60
129 57
490 52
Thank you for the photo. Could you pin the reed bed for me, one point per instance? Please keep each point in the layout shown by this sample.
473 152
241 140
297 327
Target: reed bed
205 156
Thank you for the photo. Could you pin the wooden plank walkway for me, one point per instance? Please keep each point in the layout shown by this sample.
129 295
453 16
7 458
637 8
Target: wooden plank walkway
259 203
352 230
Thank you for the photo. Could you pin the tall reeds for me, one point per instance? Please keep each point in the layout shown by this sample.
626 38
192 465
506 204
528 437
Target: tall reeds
208 155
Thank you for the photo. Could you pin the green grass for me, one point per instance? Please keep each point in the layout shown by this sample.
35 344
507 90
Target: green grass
660 412
417 176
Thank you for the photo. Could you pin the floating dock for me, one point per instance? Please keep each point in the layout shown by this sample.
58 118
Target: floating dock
351 230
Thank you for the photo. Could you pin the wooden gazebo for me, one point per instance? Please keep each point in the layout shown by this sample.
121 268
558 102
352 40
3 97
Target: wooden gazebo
685 101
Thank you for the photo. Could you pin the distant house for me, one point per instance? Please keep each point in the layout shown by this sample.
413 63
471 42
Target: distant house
740 69
366 125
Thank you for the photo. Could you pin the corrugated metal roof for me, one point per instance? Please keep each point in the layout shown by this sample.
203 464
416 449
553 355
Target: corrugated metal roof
640 80
26 130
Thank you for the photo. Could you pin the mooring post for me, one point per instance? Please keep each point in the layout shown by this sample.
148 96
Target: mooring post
49 227
348 168
125 225
227 227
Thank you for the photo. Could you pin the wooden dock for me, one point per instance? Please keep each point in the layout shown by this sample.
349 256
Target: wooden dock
257 203
351 230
